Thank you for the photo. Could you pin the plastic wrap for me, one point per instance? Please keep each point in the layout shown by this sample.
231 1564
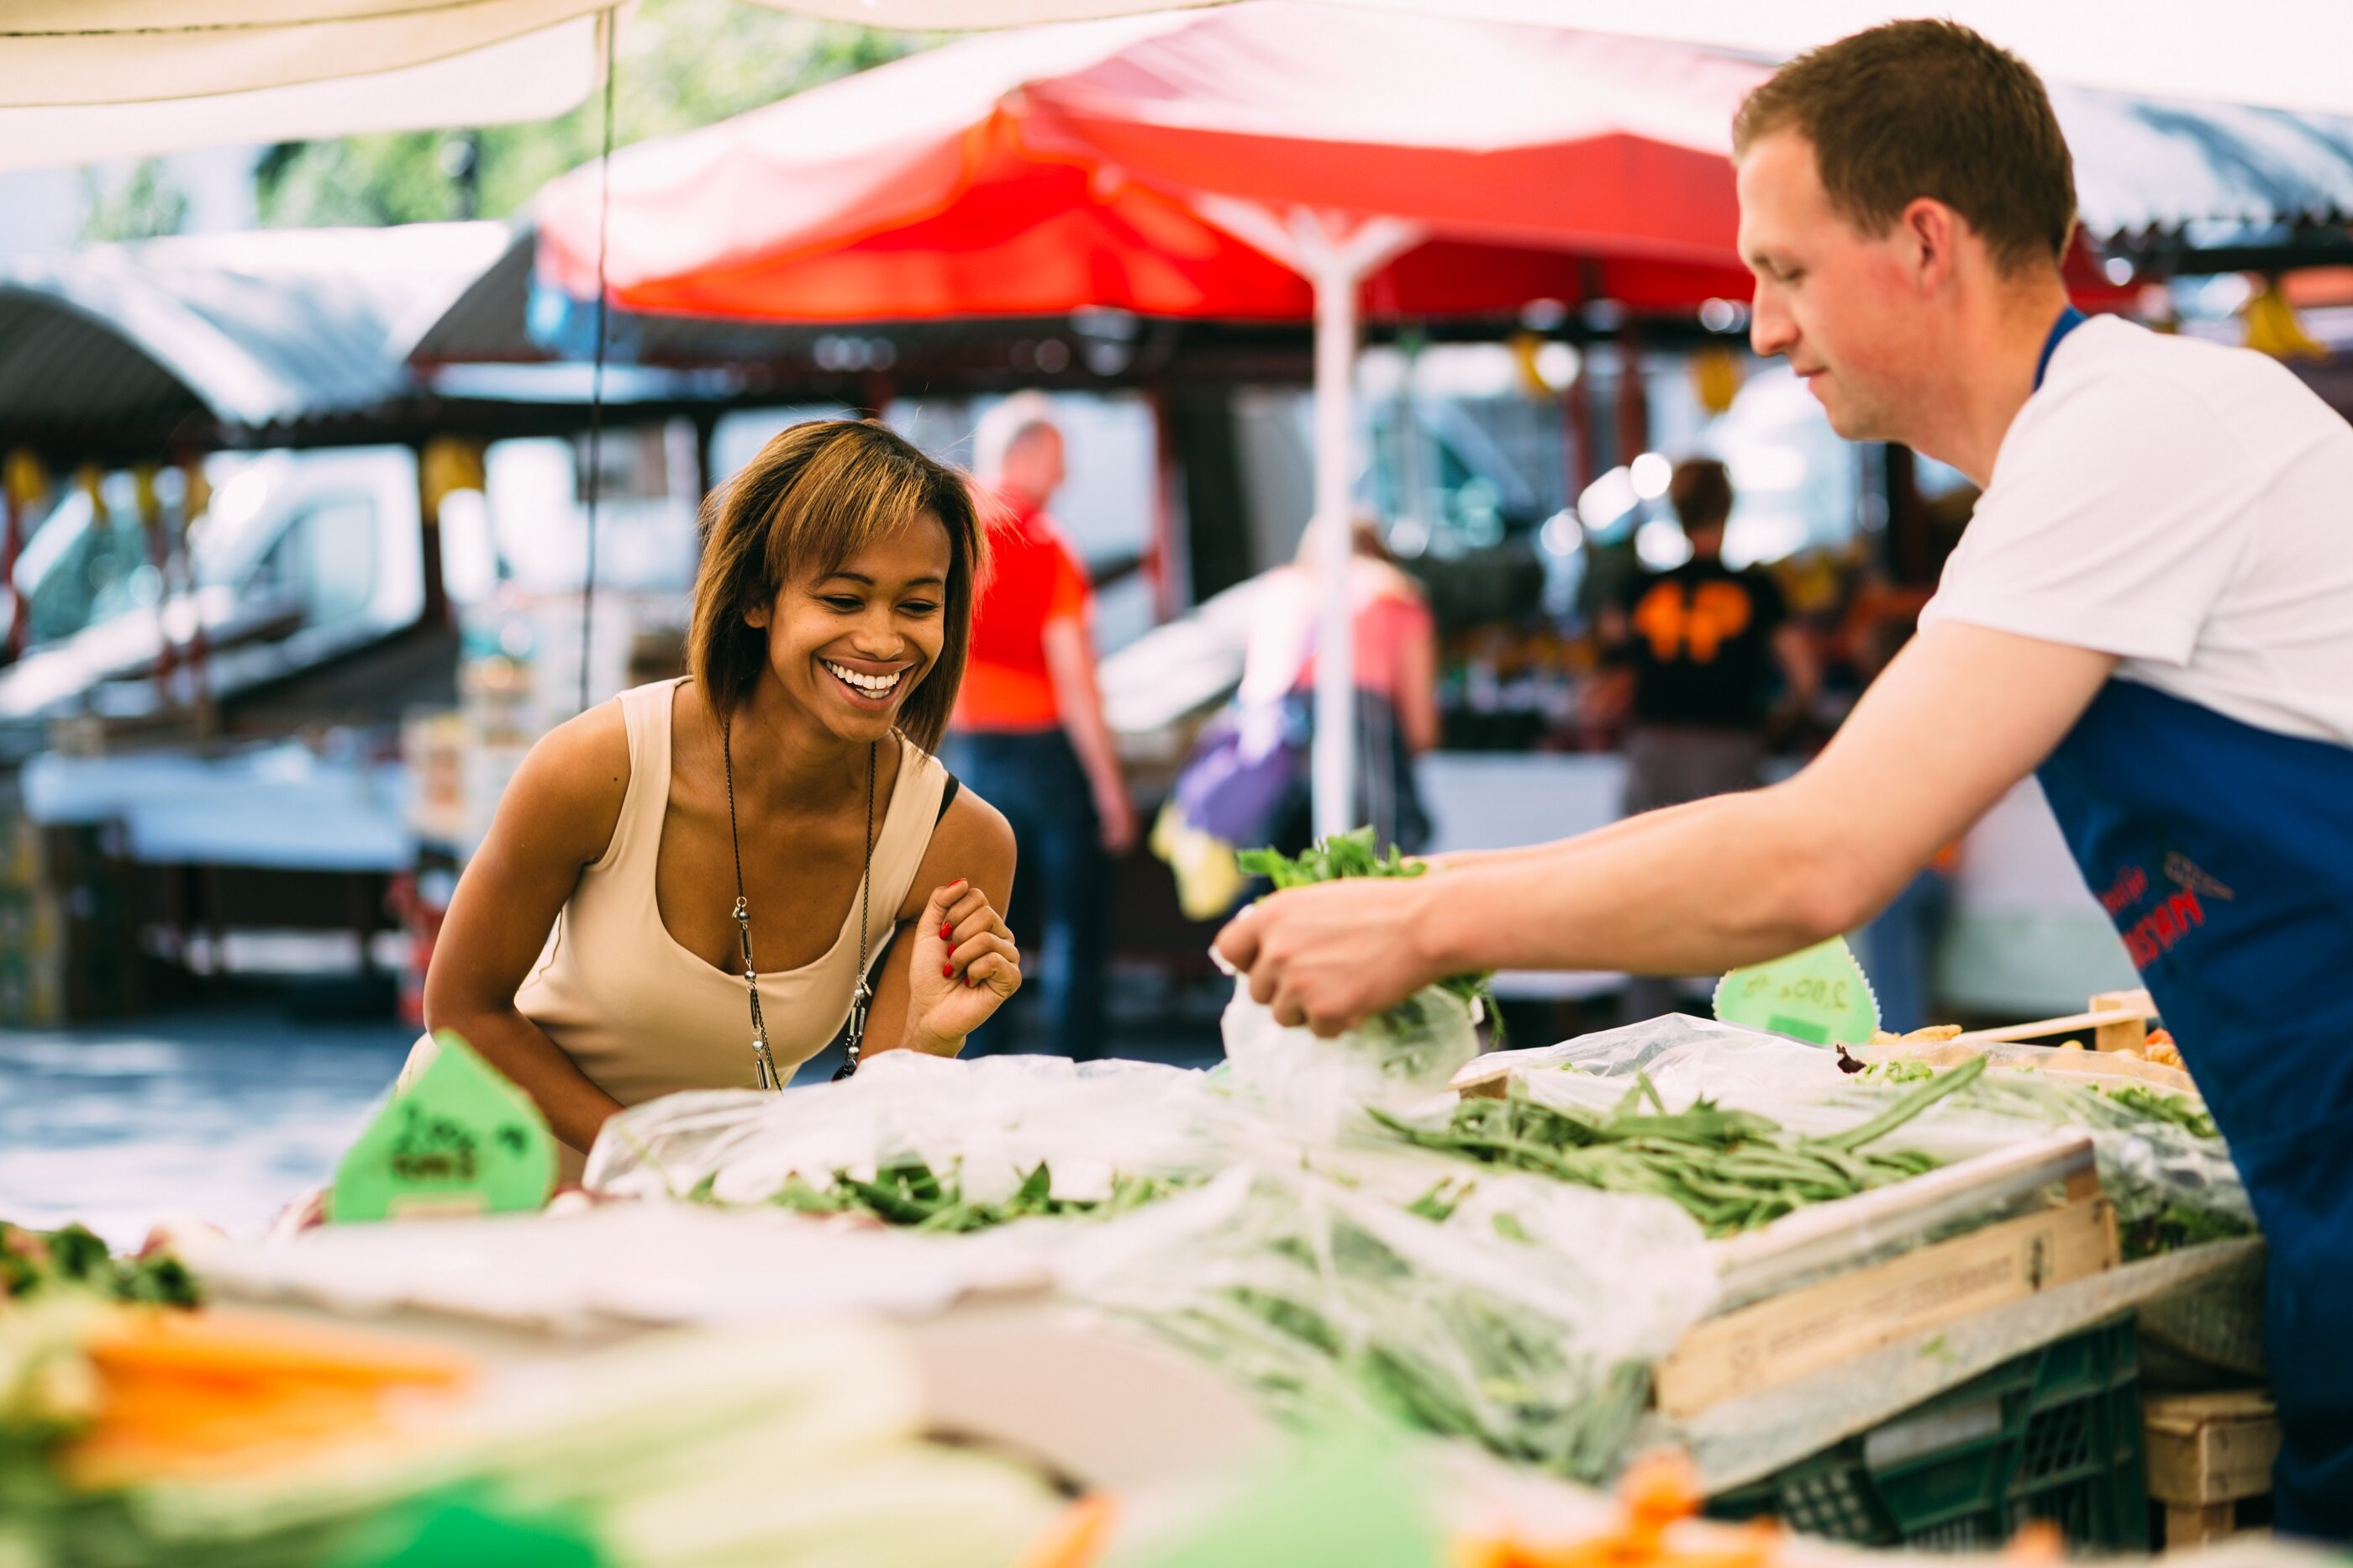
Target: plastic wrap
2169 1183
1526 1319
995 1121
1400 1059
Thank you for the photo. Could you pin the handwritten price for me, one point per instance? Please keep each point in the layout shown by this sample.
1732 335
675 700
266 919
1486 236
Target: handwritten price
1804 991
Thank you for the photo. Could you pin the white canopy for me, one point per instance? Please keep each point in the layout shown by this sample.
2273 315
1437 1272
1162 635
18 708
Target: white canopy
86 79
2287 53
216 72
534 76
2283 54
59 52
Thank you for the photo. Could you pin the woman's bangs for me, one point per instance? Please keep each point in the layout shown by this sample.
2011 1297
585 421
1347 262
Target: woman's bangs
847 500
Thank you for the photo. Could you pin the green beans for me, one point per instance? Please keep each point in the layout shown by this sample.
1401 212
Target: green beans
1910 1106
1341 1309
1731 1170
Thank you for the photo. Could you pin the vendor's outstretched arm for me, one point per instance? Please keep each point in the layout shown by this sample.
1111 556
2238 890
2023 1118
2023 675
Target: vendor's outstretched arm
1958 718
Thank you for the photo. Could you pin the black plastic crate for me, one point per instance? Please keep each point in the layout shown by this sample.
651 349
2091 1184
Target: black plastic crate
2052 1434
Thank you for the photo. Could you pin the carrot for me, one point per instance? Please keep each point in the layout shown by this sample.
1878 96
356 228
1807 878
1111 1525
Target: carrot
217 1343
212 1393
1077 1536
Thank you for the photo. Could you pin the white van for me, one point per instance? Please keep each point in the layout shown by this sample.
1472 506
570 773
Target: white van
300 557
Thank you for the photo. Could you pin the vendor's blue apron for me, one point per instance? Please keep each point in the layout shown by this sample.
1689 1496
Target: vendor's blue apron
2224 854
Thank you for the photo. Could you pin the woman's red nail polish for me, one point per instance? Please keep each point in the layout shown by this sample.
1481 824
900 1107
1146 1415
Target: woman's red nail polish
946 930
947 971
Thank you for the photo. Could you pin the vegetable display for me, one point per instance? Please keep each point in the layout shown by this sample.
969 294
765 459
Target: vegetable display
2158 1106
912 1193
1501 1375
33 1261
1730 1170
717 1449
1335 1302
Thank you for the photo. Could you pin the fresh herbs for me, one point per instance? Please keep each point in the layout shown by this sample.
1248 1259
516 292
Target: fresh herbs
1356 854
2174 1226
911 1193
1900 1070
2182 1111
1730 1170
32 1261
1351 854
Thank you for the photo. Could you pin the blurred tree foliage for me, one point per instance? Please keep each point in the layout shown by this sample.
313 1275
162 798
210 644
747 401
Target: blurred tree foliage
145 205
682 64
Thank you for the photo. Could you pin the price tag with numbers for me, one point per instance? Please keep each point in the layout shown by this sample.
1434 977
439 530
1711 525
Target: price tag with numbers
1818 995
461 1139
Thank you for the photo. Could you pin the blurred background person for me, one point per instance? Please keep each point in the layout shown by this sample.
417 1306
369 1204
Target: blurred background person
1248 783
1898 949
1394 646
1707 645
1029 732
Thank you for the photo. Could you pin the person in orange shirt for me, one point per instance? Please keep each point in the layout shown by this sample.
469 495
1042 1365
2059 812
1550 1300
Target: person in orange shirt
1029 732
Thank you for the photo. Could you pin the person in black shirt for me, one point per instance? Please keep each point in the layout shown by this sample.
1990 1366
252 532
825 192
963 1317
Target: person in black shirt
1703 642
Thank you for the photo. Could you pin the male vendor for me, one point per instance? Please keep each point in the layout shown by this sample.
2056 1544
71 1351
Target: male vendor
2152 611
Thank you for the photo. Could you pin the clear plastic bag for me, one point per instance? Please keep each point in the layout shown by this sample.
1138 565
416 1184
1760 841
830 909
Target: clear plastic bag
1400 1059
1526 1319
994 1120
2169 1183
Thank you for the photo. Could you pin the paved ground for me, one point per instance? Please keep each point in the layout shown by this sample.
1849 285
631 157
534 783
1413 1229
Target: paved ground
228 1114
222 1115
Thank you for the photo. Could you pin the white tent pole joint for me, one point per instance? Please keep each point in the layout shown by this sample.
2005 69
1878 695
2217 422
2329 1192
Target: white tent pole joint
1336 264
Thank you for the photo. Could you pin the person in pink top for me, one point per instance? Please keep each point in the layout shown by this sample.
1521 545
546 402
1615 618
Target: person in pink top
1396 658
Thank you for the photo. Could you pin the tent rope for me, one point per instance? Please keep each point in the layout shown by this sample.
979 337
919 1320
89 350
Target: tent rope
612 26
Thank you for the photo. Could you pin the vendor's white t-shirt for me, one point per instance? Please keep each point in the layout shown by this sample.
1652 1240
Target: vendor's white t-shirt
2185 506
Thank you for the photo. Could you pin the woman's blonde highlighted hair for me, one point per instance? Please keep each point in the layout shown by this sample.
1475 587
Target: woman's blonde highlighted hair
816 496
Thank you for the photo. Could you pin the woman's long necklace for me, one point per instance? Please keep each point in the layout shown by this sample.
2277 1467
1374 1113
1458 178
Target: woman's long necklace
763 1060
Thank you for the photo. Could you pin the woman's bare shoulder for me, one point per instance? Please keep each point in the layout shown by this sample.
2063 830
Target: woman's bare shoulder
973 842
567 794
973 825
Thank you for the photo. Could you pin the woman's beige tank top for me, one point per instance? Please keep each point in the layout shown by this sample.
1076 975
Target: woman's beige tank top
641 1015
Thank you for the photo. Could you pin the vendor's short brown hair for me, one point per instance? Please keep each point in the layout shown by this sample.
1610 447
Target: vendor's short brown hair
816 495
1927 109
1700 489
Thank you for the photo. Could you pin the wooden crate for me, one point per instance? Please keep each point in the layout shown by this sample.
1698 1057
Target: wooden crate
1790 1333
2207 1453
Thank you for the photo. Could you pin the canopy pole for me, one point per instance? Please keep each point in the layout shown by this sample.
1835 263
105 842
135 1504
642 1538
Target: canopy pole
610 25
1334 763
1337 267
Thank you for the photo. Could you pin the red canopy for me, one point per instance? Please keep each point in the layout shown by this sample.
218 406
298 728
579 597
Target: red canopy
1041 170
1149 164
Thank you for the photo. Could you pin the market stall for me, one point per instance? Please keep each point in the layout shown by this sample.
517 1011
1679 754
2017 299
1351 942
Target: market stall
1903 1294
1392 1297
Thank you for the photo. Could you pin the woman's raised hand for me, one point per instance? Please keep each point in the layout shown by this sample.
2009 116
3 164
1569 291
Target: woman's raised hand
965 965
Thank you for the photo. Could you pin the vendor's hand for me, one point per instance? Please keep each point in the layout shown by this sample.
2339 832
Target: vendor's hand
1332 956
965 965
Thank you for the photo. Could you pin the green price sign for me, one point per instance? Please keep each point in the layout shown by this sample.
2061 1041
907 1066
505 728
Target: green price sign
460 1138
1818 994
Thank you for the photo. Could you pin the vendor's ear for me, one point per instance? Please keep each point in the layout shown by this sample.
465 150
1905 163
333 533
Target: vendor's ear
757 615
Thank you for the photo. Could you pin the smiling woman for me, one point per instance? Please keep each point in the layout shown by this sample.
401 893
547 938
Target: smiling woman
780 800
